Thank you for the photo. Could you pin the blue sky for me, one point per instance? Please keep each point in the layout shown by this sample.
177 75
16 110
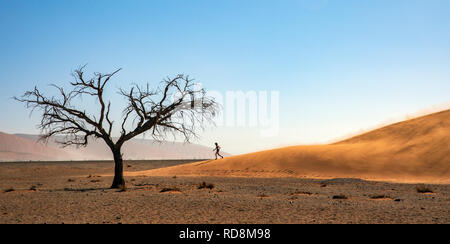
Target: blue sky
340 66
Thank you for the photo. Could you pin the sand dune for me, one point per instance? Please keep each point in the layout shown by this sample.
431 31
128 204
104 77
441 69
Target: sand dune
14 148
416 150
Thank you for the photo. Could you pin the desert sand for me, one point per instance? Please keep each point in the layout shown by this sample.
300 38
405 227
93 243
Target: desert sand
416 150
371 178
75 192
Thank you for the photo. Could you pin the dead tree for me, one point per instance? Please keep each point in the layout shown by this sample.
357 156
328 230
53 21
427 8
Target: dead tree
175 107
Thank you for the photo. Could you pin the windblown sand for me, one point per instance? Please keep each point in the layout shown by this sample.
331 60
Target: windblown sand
416 150
73 192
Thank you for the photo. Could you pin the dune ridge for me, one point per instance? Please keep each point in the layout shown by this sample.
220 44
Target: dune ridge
416 150
14 148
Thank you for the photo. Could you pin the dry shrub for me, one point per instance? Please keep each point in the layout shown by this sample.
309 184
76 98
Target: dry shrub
297 192
380 196
423 189
340 196
169 189
205 185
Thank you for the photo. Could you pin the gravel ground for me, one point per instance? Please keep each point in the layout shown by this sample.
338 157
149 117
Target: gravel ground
75 192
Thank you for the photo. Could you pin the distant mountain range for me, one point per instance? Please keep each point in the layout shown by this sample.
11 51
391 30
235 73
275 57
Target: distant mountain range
23 147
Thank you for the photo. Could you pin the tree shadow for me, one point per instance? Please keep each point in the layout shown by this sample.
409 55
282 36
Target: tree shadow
86 189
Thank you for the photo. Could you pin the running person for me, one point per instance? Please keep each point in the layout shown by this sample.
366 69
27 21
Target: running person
217 149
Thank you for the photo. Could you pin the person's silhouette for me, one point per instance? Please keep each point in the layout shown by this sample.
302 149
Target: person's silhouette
217 149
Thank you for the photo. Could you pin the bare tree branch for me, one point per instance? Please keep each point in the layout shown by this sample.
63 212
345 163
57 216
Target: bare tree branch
184 114
176 108
61 117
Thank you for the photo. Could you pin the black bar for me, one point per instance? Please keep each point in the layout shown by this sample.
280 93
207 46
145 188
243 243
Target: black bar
265 233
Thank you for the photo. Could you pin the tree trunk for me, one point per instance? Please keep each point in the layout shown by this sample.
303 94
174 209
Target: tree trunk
119 181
